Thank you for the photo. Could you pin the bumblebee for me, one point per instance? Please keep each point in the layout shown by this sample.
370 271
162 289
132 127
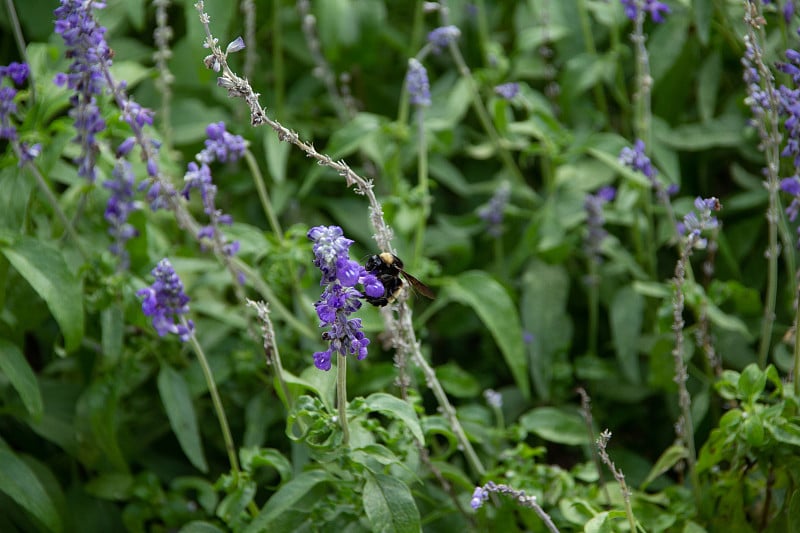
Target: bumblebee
388 268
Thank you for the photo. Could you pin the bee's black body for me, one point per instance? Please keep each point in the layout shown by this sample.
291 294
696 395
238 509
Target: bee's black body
388 268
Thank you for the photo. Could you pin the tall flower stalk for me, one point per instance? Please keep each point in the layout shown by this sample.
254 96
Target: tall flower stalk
762 97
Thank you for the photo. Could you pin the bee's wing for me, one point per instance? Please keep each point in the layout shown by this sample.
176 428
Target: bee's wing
418 285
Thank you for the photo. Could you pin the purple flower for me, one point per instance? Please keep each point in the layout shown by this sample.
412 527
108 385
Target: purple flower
199 177
165 301
221 145
479 496
507 90
493 398
119 207
441 37
636 159
698 221
656 9
492 212
8 108
18 72
91 57
340 298
596 234
419 91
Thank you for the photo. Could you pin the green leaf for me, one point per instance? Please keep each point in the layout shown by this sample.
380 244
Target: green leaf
253 458
398 408
665 462
667 40
198 526
724 131
21 376
751 382
708 80
627 313
456 381
494 307
556 425
787 433
703 11
286 498
19 482
112 324
600 523
234 503
794 512
111 486
389 505
182 417
545 290
44 267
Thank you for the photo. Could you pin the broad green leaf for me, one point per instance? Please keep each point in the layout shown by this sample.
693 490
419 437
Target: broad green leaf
253 458
556 425
199 526
494 307
627 313
390 506
182 417
234 503
600 523
286 498
21 376
665 462
97 415
111 486
787 433
667 40
751 382
20 483
545 290
398 408
723 131
44 267
457 381
794 512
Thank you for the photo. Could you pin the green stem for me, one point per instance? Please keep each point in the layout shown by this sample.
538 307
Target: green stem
594 305
215 399
341 396
424 192
263 195
276 58
588 38
20 40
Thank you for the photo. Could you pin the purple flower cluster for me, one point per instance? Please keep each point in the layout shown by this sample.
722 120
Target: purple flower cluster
419 91
698 221
165 301
220 146
492 213
120 205
593 204
340 298
18 74
441 37
507 91
656 9
91 57
637 159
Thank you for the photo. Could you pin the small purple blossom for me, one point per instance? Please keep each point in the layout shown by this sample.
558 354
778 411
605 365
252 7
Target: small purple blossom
419 91
507 91
119 207
637 159
221 145
8 108
492 213
700 220
340 298
656 9
441 37
18 72
199 177
166 301
479 496
235 45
